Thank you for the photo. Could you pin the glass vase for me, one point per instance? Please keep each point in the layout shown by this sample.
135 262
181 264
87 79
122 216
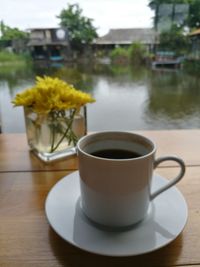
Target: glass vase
54 135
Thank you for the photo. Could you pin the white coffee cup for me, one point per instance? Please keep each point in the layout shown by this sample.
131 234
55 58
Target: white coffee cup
116 192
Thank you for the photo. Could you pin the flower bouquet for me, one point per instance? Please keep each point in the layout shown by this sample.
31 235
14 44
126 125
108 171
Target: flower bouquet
55 117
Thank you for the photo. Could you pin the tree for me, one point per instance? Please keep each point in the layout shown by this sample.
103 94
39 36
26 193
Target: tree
137 53
174 40
194 15
156 4
9 34
80 29
193 20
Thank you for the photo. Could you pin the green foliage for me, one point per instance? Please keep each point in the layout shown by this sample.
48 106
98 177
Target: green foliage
193 20
174 40
119 55
9 57
137 53
159 2
194 17
8 33
80 29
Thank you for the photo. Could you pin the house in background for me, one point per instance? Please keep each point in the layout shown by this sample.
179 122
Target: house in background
125 37
195 40
49 44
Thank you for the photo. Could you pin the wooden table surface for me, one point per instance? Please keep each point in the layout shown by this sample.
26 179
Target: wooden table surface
26 239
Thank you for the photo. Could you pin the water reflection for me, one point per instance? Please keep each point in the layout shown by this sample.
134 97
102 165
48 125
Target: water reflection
15 76
127 98
173 99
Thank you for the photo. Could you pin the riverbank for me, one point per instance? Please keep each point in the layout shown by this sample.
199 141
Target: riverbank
9 58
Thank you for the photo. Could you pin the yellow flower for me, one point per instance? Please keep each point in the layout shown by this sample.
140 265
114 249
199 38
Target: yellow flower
51 94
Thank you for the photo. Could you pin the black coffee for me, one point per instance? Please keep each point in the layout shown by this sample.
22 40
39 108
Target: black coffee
116 154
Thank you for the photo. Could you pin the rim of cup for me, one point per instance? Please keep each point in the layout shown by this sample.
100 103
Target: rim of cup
100 133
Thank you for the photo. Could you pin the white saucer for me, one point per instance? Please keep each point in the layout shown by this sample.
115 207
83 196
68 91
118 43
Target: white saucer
165 220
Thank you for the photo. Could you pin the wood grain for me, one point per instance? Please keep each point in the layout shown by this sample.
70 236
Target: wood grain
182 143
15 155
26 239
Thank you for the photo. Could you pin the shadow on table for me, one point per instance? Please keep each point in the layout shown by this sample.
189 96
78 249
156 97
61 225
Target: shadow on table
68 255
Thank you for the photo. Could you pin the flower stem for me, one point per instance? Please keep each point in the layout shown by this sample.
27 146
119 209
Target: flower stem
53 148
53 139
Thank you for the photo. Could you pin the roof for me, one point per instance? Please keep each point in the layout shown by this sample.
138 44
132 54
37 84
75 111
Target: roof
128 36
196 32
43 28
44 42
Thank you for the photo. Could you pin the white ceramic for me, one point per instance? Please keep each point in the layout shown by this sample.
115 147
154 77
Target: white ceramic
116 192
165 220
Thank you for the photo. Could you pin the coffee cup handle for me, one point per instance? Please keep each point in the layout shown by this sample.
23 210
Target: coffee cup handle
174 180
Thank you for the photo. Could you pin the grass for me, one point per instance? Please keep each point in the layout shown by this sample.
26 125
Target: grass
7 58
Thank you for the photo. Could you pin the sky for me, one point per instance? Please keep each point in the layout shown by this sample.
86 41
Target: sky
106 14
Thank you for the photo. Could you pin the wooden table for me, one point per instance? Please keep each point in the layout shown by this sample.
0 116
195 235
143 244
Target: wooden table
26 239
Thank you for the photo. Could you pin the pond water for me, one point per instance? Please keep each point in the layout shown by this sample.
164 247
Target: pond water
127 98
